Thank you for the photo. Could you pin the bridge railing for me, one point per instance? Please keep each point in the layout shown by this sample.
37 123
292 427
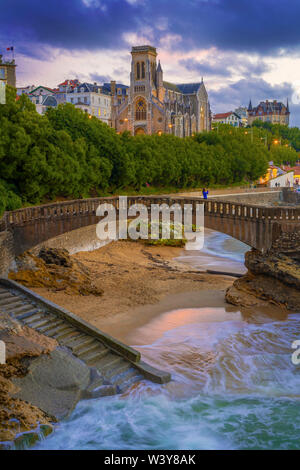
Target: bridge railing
89 207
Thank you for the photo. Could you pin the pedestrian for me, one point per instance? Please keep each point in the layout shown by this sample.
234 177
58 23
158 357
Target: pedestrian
205 193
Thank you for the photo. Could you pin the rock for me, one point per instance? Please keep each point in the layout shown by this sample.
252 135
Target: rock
55 270
60 257
26 342
25 440
17 416
273 278
55 383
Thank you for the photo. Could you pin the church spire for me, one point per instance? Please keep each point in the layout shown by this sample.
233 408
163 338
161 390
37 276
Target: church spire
287 106
250 106
159 69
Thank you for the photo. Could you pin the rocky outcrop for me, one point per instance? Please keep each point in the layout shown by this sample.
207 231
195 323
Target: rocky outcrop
272 278
56 270
16 415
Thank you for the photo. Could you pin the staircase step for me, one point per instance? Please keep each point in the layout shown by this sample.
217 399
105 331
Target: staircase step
125 377
94 356
24 309
54 332
31 316
6 295
62 334
120 368
10 301
67 334
90 348
81 339
71 337
52 325
20 308
108 361
83 344
42 321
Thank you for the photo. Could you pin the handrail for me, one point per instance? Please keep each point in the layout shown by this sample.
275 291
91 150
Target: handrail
223 208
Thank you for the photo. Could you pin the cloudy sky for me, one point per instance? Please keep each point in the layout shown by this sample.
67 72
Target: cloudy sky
243 48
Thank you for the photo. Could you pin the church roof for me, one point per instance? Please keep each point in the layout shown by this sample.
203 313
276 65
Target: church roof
171 86
189 88
184 88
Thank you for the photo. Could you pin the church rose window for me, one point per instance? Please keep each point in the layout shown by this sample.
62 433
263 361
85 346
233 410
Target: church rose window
140 110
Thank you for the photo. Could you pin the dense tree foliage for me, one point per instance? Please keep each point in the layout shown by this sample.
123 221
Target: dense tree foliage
289 134
67 154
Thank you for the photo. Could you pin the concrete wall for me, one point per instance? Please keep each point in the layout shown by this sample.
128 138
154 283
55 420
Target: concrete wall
7 252
82 239
261 199
286 180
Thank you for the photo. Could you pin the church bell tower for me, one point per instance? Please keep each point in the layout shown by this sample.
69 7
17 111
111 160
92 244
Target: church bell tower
142 86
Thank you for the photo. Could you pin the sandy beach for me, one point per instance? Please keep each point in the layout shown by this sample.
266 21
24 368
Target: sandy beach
139 283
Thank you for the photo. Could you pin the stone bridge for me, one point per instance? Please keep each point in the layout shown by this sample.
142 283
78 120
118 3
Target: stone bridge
258 226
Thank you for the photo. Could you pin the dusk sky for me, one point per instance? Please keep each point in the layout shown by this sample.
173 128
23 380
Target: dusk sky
243 48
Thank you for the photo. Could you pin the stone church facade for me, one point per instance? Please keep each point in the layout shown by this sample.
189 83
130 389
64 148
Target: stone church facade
154 106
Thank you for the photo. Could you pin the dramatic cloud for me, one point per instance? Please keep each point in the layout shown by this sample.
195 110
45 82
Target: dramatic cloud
229 97
241 92
95 77
226 66
258 26
243 48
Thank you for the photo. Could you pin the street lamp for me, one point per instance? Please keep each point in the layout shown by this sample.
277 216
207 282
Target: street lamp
265 139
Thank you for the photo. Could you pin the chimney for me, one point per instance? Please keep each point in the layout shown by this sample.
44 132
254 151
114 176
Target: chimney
113 87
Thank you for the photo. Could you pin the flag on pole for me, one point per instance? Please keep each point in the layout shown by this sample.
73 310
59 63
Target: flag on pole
10 48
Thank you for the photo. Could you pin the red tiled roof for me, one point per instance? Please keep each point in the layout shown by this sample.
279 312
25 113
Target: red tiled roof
222 115
295 169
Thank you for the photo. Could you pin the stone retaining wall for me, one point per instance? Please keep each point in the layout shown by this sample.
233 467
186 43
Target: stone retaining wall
7 253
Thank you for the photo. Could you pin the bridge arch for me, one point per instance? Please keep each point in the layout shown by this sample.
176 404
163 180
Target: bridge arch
257 226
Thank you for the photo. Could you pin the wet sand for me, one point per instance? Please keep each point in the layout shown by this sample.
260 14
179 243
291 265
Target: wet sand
140 282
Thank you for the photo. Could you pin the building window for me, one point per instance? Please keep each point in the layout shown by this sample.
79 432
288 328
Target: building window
140 110
85 99
143 69
138 71
72 100
139 88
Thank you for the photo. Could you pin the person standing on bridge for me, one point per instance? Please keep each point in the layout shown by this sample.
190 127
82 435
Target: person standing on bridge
205 193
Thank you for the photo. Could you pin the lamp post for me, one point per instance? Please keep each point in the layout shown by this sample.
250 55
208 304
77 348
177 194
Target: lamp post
251 132
265 139
170 127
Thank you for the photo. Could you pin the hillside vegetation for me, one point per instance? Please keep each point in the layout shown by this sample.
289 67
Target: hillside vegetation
66 154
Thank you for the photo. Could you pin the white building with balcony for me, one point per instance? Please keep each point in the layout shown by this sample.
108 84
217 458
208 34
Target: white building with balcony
92 99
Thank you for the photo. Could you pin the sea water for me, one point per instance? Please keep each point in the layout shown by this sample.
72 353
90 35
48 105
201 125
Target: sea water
234 385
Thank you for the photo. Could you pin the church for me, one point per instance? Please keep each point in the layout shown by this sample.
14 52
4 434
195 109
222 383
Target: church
153 106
